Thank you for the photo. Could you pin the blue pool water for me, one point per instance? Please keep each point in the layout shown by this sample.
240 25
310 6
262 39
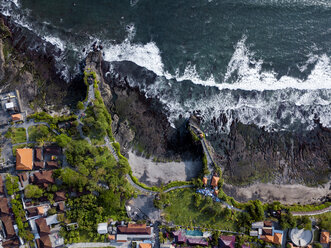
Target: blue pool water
194 233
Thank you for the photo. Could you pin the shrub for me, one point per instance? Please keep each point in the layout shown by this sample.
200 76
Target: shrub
33 191
80 105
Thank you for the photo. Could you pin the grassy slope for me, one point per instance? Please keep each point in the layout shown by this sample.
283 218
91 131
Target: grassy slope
17 135
183 212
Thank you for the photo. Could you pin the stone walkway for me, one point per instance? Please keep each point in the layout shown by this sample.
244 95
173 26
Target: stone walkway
310 213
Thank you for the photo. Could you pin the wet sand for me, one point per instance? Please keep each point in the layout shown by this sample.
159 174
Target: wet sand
286 194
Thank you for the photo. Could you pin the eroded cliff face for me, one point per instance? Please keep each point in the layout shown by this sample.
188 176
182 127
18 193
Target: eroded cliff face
27 63
247 154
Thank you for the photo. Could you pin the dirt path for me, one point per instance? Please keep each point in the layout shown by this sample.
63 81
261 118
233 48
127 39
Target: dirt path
153 174
286 194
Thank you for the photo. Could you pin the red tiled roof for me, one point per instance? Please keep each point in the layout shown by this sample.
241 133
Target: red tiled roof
8 223
38 154
197 241
42 178
267 223
267 231
39 165
59 196
4 209
227 241
43 228
55 150
13 243
52 164
134 229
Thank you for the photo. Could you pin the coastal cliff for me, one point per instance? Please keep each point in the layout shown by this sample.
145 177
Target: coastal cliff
27 63
247 154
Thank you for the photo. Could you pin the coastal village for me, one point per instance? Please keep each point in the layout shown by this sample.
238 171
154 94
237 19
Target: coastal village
39 185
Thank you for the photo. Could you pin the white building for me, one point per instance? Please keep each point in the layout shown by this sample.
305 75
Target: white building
102 228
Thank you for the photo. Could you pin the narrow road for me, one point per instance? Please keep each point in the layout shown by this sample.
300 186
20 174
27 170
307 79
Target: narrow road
317 212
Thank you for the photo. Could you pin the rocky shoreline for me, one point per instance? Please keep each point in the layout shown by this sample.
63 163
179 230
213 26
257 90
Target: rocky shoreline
247 155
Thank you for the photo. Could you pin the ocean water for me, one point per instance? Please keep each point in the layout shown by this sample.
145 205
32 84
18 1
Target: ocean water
265 62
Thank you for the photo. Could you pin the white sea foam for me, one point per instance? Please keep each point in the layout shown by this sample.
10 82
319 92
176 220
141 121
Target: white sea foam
55 41
146 55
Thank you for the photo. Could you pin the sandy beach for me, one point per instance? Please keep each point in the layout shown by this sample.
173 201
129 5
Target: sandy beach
152 173
286 194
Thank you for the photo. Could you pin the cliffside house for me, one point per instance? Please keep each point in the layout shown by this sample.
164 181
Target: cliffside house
4 209
44 242
205 181
24 157
214 181
53 150
133 232
38 154
145 245
266 231
180 237
43 178
226 241
43 228
325 237
52 164
60 196
102 228
17 117
7 227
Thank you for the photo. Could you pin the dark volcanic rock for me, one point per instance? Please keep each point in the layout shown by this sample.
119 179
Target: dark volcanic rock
142 117
28 64
251 154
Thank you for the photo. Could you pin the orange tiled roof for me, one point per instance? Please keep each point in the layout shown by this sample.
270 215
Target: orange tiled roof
24 158
278 238
268 238
205 180
16 117
325 237
214 181
145 245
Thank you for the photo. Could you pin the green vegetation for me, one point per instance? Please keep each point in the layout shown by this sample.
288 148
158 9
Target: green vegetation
80 105
97 123
19 213
144 186
17 135
95 170
191 209
205 165
287 221
317 245
304 222
308 208
194 136
63 140
324 221
11 184
176 184
4 30
44 117
41 134
17 207
33 191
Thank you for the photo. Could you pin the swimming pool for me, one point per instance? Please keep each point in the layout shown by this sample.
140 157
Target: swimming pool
194 233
